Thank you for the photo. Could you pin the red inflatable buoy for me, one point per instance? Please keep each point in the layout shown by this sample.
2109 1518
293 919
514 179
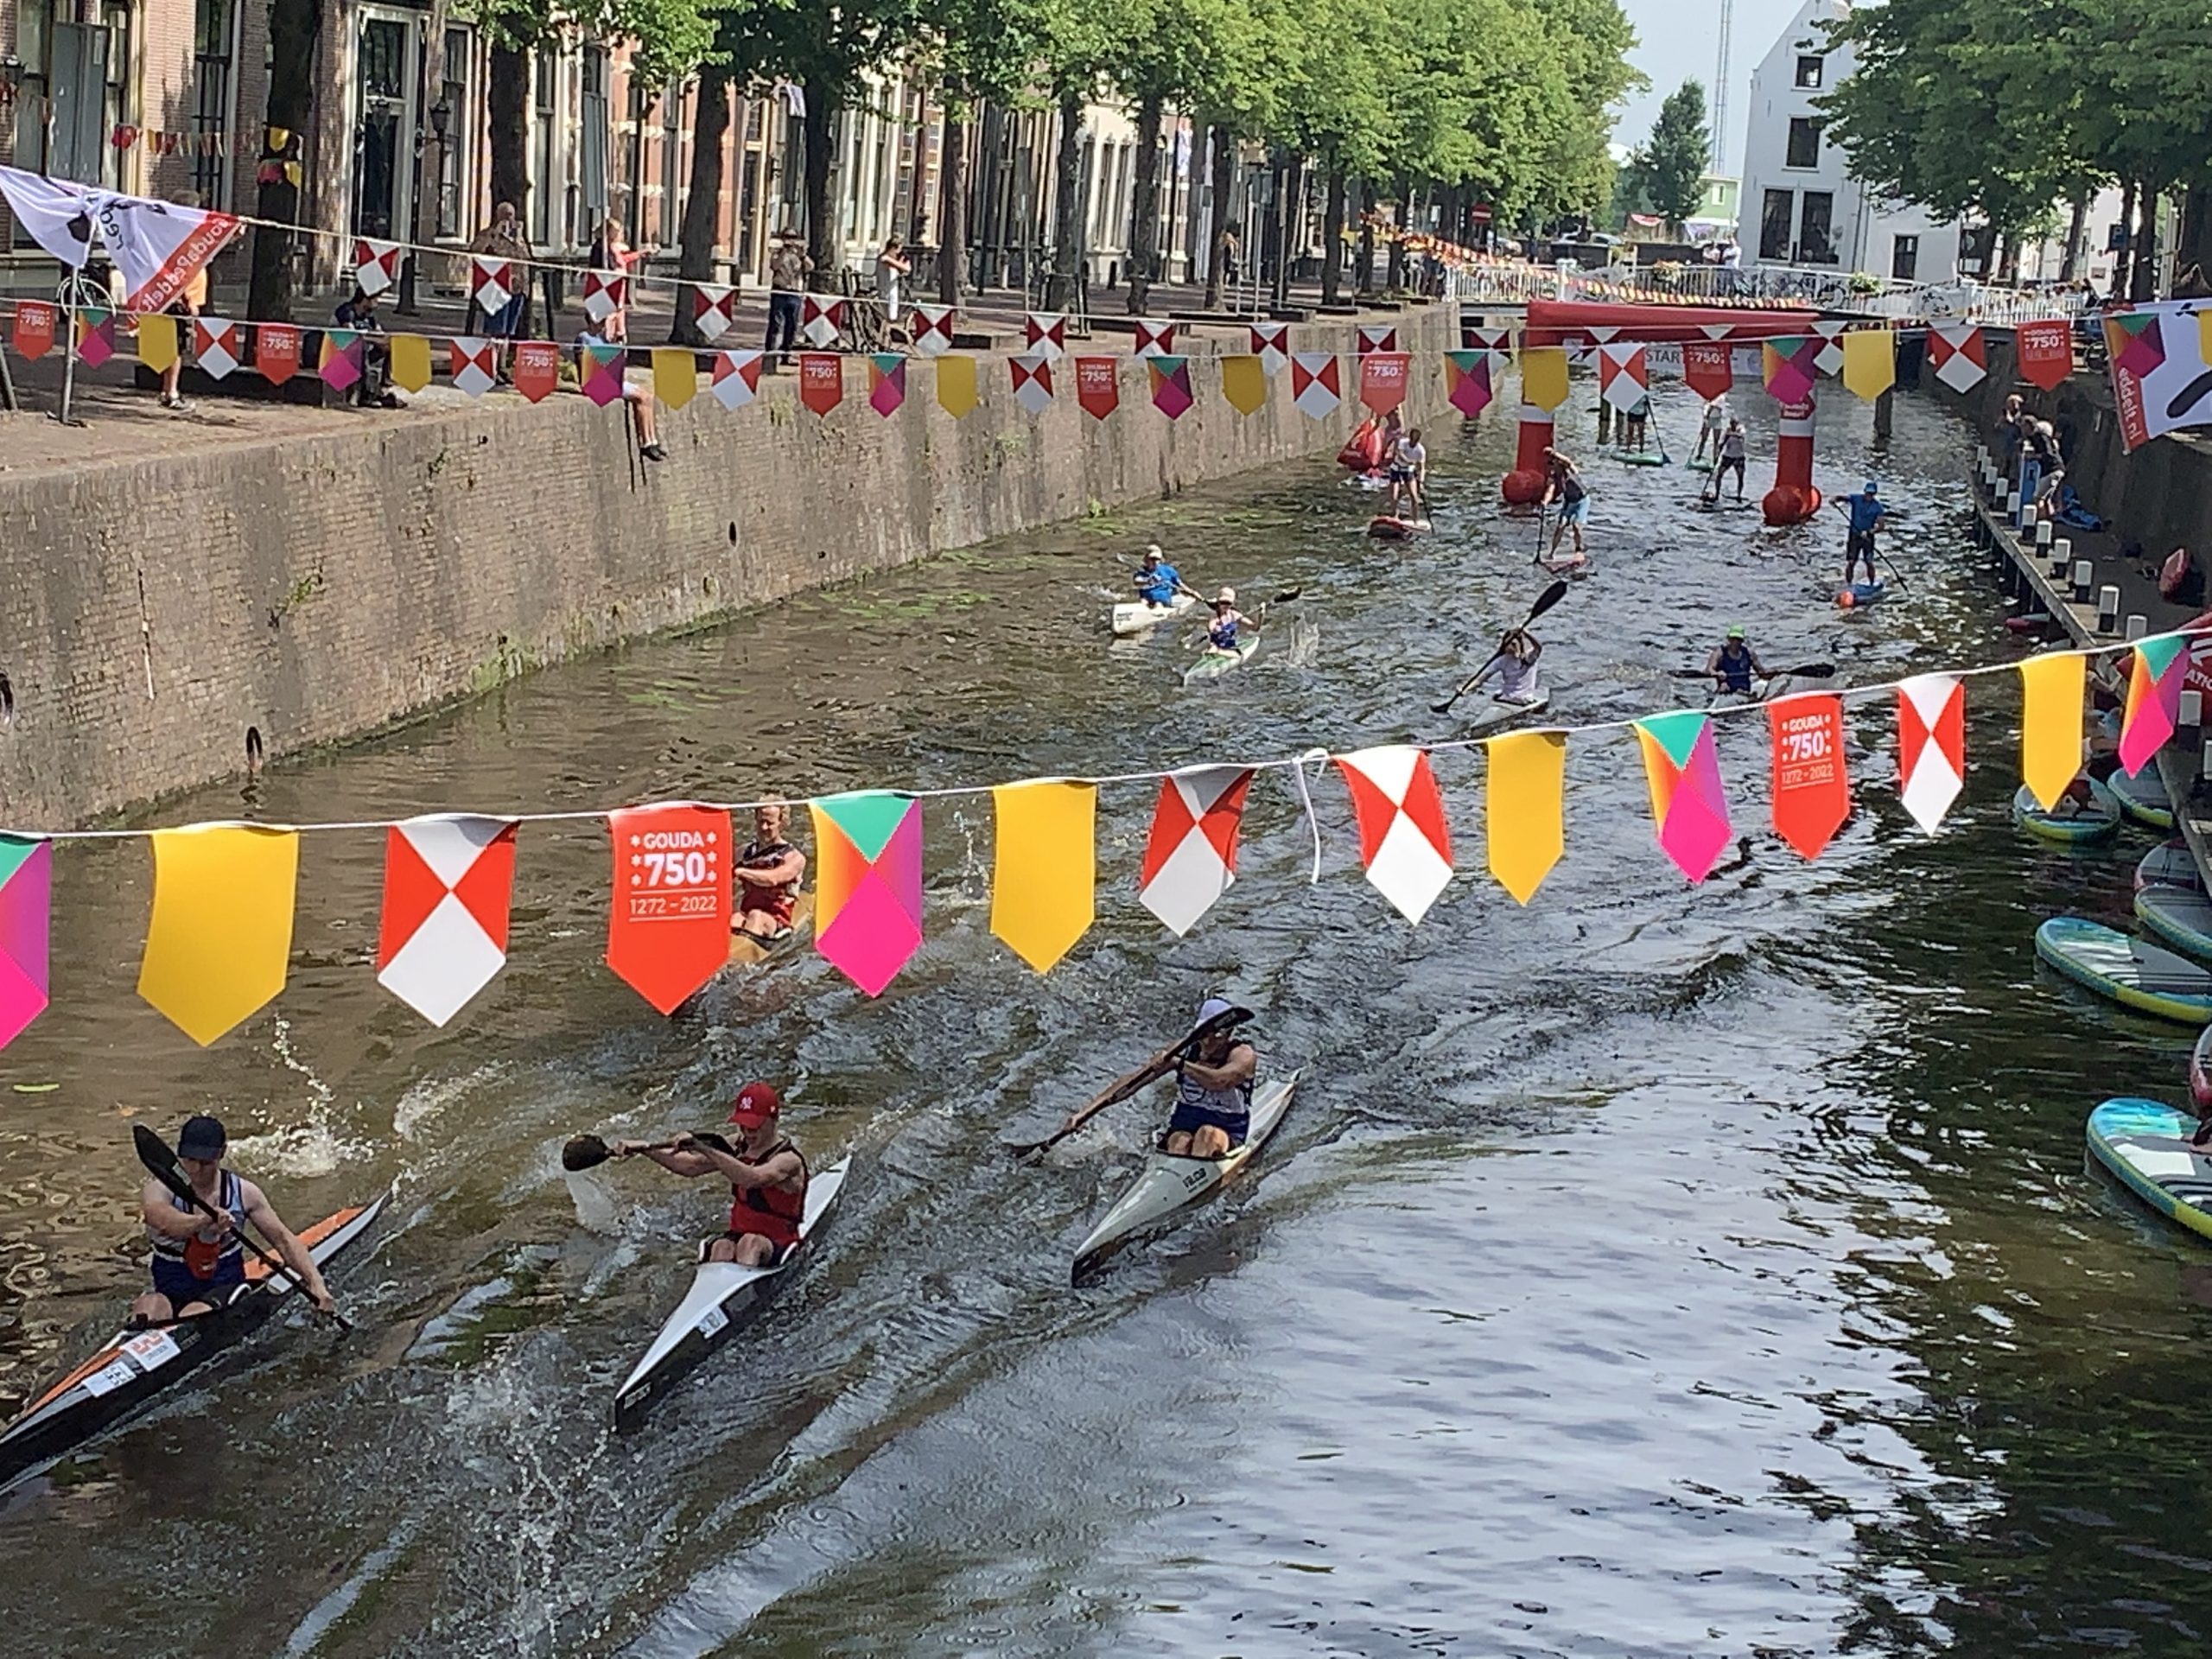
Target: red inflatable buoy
1793 499
1524 485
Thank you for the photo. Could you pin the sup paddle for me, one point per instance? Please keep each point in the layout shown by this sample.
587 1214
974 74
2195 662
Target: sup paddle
589 1152
1118 1091
161 1163
1545 601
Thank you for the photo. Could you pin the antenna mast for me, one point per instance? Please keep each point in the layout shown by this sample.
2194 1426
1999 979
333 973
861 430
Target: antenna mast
1721 89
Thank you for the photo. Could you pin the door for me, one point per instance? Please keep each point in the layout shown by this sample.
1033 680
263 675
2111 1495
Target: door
384 134
1815 228
79 86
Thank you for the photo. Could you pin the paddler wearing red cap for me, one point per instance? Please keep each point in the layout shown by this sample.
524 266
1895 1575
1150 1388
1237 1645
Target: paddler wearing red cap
766 1176
200 1259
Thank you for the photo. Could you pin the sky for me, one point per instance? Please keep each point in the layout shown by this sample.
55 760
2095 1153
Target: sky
1677 42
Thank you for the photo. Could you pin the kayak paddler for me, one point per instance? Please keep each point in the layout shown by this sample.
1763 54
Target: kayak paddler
1158 582
199 1262
1733 663
768 870
1515 669
1863 512
1213 1069
765 1172
1220 631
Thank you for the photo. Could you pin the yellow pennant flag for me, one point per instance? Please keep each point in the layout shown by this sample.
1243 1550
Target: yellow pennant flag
158 342
2204 337
410 362
1046 866
956 385
1870 362
222 928
676 376
1544 375
1526 817
1770 360
1244 383
2050 724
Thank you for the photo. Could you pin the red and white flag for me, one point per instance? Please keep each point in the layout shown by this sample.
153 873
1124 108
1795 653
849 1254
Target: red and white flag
1098 385
1382 377
1498 342
1708 367
1033 380
1155 339
668 928
1961 359
932 329
1046 333
376 264
492 282
1190 858
606 292
821 315
36 323
1931 746
275 350
736 378
1623 378
1403 838
1377 337
159 246
448 880
1830 359
1315 386
713 308
474 366
1271 345
215 346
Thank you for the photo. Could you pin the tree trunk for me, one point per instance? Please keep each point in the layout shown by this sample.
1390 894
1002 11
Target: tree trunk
1366 285
1274 238
952 207
2070 263
1144 205
2145 282
1332 235
293 26
1067 207
508 106
1224 190
2193 246
2123 264
820 129
703 195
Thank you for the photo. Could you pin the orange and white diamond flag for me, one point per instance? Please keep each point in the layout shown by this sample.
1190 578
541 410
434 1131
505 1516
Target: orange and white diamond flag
447 883
1190 858
1404 840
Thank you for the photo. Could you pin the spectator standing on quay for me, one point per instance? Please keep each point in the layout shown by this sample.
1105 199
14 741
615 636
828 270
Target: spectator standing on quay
187 306
503 239
891 265
608 253
789 266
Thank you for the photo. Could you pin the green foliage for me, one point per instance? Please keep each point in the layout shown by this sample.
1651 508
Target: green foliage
1668 169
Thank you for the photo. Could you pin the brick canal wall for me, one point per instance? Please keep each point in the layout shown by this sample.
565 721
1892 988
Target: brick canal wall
153 610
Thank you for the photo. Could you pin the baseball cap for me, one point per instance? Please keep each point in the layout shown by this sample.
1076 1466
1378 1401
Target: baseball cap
1735 631
1870 487
755 1104
203 1138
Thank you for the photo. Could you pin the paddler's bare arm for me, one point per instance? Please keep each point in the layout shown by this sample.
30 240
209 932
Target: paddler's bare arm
1150 1071
159 1208
781 873
285 1243
687 1164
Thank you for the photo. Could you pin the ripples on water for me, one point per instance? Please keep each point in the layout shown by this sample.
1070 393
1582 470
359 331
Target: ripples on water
1653 1271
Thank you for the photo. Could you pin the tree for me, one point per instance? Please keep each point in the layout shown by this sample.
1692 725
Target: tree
294 26
1671 164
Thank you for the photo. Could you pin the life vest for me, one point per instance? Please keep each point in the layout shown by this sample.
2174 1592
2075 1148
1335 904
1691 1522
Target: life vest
770 1211
1364 449
1735 669
752 897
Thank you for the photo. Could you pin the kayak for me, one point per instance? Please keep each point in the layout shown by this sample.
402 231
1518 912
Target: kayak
1212 665
2168 865
750 949
2098 819
723 1299
1168 1184
1501 711
1860 594
2180 915
1765 692
2147 1146
1385 528
2131 971
137 1364
1134 616
2142 797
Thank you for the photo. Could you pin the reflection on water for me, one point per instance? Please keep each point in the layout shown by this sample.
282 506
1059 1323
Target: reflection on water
1653 1270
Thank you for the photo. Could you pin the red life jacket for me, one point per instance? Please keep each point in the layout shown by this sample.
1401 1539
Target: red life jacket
770 1211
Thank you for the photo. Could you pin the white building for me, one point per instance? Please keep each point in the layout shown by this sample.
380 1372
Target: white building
1800 204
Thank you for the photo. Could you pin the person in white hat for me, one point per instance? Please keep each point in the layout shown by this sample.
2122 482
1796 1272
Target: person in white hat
1214 1070
1220 631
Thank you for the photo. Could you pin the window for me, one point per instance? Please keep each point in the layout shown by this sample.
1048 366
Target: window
453 154
1813 229
545 66
1804 142
1905 258
77 75
215 53
1809 65
1774 214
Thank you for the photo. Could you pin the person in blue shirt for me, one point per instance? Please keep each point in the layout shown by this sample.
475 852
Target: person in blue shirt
1864 511
1158 582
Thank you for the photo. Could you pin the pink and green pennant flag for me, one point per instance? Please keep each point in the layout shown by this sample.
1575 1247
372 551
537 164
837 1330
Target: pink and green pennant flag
95 337
2153 701
1171 384
887 381
1468 375
341 358
602 363
867 884
2136 344
1688 807
1792 368
26 892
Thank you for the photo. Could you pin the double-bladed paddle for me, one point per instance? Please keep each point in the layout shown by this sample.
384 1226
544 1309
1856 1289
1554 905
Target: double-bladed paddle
161 1163
1119 1090
1545 601
1803 671
589 1152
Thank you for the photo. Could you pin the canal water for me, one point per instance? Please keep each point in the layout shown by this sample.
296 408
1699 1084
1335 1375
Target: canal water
1656 1270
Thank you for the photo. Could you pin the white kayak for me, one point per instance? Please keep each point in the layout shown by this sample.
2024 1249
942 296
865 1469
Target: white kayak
1169 1184
1134 616
724 1299
1212 665
1503 711
1765 692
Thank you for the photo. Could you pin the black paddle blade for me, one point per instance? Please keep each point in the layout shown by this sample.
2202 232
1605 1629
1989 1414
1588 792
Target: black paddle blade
709 1138
1545 601
584 1152
160 1161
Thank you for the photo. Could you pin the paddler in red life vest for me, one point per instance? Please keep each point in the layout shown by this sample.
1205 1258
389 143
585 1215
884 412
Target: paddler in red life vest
766 1177
199 1262
769 870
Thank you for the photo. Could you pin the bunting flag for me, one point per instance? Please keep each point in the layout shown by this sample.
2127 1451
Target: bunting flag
1045 871
1870 362
1828 360
340 364
600 365
820 381
221 934
410 362
957 393
1171 384
1314 386
887 382
491 284
932 329
1190 857
2154 687
867 884
1959 355
1708 368
1790 370
95 337
2046 354
1033 380
1688 809
714 308
2136 342
1271 345
473 365
606 292
675 375
2050 725
376 264
1404 840
1383 376
158 246
215 346
1098 385
26 905
158 342
1497 344
35 324
1527 820
1931 746
668 928
1467 381
1244 384
1624 377
734 379
1377 337
1812 795
447 881
1046 333
1543 376
1155 339
275 350
821 317
537 368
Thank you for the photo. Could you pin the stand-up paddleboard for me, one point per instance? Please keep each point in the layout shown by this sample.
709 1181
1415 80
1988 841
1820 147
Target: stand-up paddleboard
1700 464
1386 528
1860 594
2180 915
2142 797
2131 971
2147 1146
2075 821
2168 865
1645 458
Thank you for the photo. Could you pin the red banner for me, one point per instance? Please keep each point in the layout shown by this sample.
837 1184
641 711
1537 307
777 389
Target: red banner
1382 380
2046 353
668 932
537 368
275 352
820 381
1811 796
1708 367
34 324
1097 385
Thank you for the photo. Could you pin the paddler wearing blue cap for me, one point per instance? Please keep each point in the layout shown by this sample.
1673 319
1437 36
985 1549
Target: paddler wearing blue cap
1864 511
1213 1069
200 1259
